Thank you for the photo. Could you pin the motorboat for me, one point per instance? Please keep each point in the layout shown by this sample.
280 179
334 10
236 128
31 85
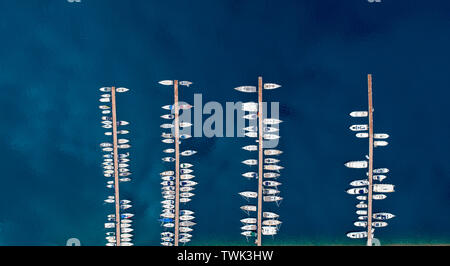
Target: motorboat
356 164
186 176
273 167
249 194
250 162
358 127
271 121
383 216
248 221
272 198
185 83
248 227
105 89
381 171
356 191
122 89
246 88
168 159
271 222
250 175
379 177
272 152
271 86
358 183
271 183
188 152
166 82
359 114
270 215
250 148
362 135
379 196
271 136
271 160
167 173
251 134
271 175
380 143
186 171
383 188
380 136
250 116
168 116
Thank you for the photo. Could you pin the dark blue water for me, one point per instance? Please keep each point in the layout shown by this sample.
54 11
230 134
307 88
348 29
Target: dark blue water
54 55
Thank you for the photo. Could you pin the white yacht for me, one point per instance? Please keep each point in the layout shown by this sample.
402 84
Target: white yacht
272 152
271 121
246 88
271 86
359 127
359 114
250 162
356 164
250 148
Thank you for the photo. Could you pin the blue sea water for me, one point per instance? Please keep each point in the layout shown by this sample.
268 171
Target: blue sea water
54 55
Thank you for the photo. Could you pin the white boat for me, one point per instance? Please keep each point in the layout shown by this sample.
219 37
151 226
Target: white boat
186 217
126 179
250 128
361 205
379 196
381 171
383 188
250 162
250 116
105 100
188 183
379 177
168 159
248 221
104 107
270 129
185 83
185 106
167 173
380 136
127 230
186 165
184 240
246 88
361 212
272 152
379 224
169 141
250 148
272 198
107 126
271 222
167 183
273 167
356 164
359 114
186 176
269 230
109 149
105 144
250 107
185 124
109 200
271 136
271 160
271 175
383 216
126 221
122 89
358 127
105 112
187 194
362 234
123 132
270 215
271 121
248 233
271 183
123 165
167 135
356 191
248 208
125 225
248 227
186 189
166 82
105 89
251 134
271 86
270 191
184 200
186 171
185 229
358 183
187 223
250 174
362 135
123 146
123 123
186 212
167 125
361 197
167 244
167 234
110 225
168 225
249 194
360 223
169 150
380 143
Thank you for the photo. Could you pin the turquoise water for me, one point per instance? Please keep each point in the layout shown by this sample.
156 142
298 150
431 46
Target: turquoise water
55 55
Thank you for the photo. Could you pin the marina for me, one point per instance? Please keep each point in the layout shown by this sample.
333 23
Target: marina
364 188
267 190
115 166
177 182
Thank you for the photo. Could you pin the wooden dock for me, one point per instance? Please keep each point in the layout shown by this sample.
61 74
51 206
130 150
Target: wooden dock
260 161
370 174
116 166
177 163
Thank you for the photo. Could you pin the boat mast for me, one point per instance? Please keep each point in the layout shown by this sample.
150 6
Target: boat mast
116 166
370 175
177 163
260 160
